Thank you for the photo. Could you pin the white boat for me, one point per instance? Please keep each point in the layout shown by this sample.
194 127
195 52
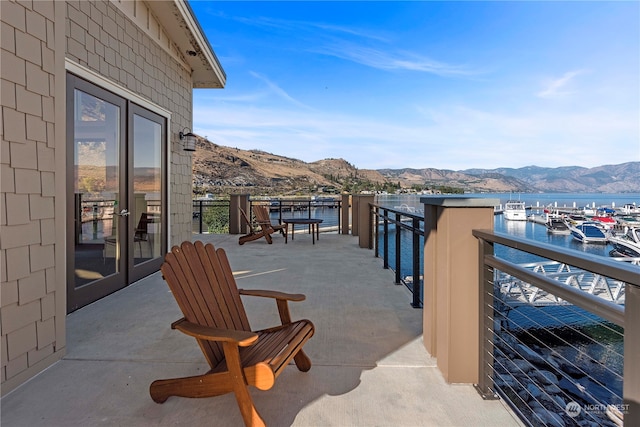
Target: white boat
588 232
514 210
630 208
557 226
627 244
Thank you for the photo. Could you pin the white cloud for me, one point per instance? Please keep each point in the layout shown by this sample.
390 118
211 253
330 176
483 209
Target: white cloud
448 138
554 88
401 60
277 90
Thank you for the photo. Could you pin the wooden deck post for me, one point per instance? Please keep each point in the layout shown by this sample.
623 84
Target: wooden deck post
345 219
365 235
237 202
355 209
451 295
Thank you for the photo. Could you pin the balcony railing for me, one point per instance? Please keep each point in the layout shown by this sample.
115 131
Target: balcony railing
559 340
213 216
567 363
394 230
210 216
327 209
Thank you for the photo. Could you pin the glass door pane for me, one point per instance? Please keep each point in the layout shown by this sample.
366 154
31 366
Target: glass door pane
147 204
96 130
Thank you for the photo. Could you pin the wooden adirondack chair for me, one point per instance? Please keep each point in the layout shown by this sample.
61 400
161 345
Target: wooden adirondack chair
202 282
262 215
256 231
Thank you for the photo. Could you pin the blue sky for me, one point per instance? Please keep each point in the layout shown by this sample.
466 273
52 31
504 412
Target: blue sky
448 85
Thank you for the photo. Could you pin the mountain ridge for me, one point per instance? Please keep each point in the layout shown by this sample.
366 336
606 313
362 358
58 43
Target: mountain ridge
221 170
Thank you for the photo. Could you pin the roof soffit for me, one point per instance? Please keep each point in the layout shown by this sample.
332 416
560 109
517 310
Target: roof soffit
181 25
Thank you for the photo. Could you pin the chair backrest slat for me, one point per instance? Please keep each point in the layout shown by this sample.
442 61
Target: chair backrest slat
202 282
262 215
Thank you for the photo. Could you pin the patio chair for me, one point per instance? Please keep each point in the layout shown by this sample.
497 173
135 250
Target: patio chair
203 285
257 230
141 233
262 215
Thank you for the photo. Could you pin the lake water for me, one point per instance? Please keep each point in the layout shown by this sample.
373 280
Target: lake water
532 230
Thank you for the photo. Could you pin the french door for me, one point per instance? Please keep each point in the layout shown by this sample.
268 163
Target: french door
116 168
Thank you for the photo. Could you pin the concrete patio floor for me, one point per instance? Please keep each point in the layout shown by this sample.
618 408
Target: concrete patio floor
370 367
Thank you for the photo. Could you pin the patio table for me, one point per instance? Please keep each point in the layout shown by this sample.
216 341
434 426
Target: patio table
311 222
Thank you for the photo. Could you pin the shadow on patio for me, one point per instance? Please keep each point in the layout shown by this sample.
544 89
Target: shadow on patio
369 364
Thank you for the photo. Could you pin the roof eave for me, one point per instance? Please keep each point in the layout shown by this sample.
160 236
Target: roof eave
181 24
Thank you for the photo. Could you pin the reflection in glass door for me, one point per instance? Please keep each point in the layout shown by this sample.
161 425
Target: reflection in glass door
116 191
147 205
97 187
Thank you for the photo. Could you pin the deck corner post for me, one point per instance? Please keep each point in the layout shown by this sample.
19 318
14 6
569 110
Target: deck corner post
451 279
237 202
346 205
365 220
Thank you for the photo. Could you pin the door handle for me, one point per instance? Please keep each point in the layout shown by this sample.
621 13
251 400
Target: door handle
123 212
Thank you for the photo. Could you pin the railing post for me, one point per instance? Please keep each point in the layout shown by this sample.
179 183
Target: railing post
376 222
345 213
200 215
237 201
245 204
486 330
451 277
397 249
355 215
385 250
416 264
364 220
631 383
336 205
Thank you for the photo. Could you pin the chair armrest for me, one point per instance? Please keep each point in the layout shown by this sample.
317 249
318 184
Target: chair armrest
282 300
241 338
272 294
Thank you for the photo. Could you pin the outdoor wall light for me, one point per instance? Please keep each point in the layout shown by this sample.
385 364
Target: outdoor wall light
189 140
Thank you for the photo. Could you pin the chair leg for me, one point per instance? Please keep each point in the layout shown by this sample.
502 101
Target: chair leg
302 361
245 402
248 410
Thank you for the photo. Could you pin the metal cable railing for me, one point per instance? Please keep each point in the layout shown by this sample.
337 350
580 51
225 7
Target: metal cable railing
327 209
407 230
563 363
212 216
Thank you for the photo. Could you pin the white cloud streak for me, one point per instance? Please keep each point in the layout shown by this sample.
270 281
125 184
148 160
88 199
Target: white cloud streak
351 44
277 90
384 60
553 89
449 137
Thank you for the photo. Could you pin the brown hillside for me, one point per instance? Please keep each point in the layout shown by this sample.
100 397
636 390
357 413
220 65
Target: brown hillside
221 170
224 170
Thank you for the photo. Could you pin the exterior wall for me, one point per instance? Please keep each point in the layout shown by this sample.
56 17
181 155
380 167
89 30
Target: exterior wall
101 37
32 280
36 37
